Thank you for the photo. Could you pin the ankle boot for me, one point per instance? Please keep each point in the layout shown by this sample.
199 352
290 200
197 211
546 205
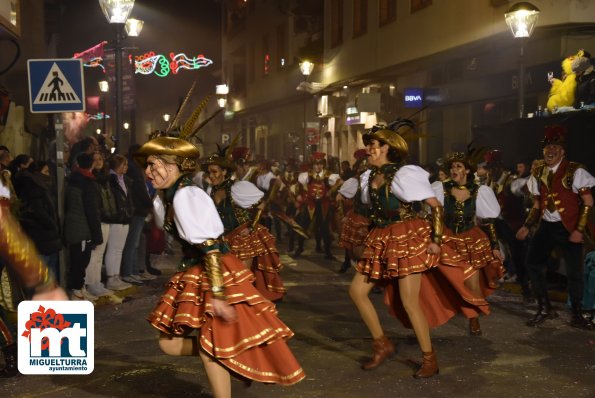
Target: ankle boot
383 348
577 320
544 311
10 358
474 327
429 367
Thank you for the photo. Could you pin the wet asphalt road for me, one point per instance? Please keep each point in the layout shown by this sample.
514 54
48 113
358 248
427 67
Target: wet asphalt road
509 360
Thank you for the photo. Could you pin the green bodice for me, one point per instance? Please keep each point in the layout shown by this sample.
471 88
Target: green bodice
385 207
232 215
459 216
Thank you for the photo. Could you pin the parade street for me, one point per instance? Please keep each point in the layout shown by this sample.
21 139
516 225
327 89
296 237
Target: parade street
509 360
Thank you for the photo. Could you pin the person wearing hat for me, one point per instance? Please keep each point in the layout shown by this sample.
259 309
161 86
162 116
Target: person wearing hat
356 223
402 248
469 213
239 204
584 93
239 332
562 201
315 213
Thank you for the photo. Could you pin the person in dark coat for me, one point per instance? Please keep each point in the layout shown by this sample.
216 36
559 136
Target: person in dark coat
143 204
38 213
82 224
585 80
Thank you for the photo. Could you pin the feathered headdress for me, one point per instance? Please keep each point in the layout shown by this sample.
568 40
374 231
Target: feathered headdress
224 156
555 135
470 159
392 135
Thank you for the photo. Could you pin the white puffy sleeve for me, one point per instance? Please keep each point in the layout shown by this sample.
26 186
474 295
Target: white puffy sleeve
245 194
333 178
198 179
264 181
195 215
486 204
349 188
438 189
532 186
158 212
303 178
516 186
363 185
411 183
582 179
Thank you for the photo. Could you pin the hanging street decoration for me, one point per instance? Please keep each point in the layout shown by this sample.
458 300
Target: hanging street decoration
159 64
148 63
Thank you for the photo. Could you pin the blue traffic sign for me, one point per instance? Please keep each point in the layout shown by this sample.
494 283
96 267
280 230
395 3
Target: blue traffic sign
56 85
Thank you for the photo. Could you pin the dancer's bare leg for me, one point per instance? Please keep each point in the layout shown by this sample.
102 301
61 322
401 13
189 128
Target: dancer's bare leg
472 283
178 346
219 378
359 292
409 292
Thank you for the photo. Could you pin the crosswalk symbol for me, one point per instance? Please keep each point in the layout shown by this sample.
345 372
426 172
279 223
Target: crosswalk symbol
56 89
56 85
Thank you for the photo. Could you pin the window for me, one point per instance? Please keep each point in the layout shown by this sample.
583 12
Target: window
417 5
336 22
281 47
360 17
387 12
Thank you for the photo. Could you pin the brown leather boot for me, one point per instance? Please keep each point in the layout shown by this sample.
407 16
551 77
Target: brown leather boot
383 348
429 366
474 327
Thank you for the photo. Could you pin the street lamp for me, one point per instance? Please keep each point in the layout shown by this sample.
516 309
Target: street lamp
116 12
104 88
126 125
521 18
133 27
306 68
221 90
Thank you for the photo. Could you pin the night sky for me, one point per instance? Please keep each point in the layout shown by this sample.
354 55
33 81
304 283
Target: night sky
188 26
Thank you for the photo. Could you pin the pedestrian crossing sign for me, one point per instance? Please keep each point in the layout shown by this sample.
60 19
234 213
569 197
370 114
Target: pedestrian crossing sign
56 85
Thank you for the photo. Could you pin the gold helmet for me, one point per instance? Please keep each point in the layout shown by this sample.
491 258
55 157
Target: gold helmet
182 152
392 135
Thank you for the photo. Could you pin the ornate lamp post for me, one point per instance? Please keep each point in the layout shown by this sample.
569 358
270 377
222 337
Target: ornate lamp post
116 13
522 18
306 68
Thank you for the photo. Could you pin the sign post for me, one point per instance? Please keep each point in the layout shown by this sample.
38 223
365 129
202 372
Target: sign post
56 86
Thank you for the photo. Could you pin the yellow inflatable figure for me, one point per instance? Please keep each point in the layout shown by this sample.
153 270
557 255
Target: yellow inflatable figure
562 91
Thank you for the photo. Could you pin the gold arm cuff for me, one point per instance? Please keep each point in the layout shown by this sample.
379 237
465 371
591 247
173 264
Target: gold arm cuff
532 217
438 224
491 229
583 218
213 266
20 253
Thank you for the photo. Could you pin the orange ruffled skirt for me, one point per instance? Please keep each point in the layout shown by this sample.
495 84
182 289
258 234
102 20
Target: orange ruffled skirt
399 250
354 230
474 246
259 244
254 347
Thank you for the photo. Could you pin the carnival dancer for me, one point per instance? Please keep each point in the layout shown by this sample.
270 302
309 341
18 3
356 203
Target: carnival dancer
356 222
269 181
289 193
212 292
316 211
562 201
18 253
466 202
238 203
401 249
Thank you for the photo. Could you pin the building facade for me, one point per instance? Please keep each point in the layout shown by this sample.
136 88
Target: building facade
451 65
